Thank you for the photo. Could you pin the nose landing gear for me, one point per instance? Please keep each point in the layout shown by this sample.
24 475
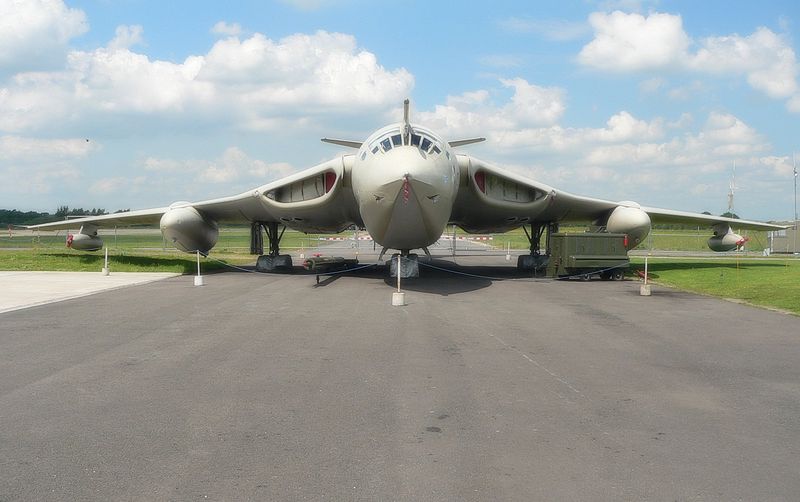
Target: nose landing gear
409 265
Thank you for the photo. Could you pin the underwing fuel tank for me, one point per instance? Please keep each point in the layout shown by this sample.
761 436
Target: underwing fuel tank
725 239
84 242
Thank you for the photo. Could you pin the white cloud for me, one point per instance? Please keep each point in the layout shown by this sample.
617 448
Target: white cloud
36 179
34 33
633 42
652 85
39 166
793 105
685 92
31 150
256 83
126 37
765 57
473 113
227 29
234 164
781 167
116 184
557 139
551 29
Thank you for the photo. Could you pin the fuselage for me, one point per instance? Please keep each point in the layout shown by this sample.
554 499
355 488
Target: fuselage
405 180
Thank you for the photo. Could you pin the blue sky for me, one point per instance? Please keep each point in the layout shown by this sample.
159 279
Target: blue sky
625 100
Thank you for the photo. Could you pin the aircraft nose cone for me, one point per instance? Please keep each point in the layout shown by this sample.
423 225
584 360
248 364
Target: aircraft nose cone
405 197
405 164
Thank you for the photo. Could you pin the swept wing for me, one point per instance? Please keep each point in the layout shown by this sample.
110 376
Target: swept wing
492 199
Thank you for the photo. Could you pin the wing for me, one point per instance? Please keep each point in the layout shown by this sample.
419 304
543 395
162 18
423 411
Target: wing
491 199
658 215
318 199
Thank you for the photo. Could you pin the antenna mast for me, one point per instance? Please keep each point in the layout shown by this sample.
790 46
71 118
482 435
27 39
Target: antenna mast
731 189
794 171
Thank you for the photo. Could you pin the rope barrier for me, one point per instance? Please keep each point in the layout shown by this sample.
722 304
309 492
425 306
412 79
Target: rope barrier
226 264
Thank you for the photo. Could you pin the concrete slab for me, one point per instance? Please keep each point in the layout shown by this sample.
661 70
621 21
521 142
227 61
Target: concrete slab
19 290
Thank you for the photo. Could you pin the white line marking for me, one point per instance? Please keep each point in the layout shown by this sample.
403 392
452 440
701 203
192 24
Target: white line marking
538 365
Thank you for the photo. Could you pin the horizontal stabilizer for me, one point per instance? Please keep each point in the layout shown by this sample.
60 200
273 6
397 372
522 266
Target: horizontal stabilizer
462 142
343 142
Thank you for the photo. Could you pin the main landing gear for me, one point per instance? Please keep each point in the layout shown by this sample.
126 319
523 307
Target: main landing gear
536 261
274 261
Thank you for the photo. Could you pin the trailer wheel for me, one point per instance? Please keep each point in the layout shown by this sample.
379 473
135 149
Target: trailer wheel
586 277
618 275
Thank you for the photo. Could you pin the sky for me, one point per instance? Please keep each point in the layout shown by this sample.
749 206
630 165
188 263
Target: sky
129 104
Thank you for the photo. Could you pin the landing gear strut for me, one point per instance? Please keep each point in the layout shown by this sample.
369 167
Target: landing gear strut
274 261
256 239
536 261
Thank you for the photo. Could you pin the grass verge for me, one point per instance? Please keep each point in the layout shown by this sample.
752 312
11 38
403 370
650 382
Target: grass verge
765 282
75 261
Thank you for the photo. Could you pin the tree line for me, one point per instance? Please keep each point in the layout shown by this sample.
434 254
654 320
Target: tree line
16 217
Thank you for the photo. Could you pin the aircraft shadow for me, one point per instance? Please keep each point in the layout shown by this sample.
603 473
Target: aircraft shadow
442 277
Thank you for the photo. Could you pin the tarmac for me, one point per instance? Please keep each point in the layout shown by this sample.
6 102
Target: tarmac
487 385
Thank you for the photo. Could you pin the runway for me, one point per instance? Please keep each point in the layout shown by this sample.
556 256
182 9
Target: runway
271 387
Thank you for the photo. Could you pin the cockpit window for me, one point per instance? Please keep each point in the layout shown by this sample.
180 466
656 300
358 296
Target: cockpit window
417 139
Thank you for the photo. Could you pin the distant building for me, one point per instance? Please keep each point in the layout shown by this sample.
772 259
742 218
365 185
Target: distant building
786 241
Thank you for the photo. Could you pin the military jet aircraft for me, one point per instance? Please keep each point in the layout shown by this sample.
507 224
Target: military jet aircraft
403 185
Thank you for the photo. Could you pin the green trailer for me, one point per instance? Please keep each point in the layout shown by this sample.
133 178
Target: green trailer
587 255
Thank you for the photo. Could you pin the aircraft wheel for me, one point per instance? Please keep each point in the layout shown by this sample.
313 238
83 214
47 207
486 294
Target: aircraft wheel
280 263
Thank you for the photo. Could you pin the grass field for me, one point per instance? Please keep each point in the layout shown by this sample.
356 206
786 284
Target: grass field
74 261
765 282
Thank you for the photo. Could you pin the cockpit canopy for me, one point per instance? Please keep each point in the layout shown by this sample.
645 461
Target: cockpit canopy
393 137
